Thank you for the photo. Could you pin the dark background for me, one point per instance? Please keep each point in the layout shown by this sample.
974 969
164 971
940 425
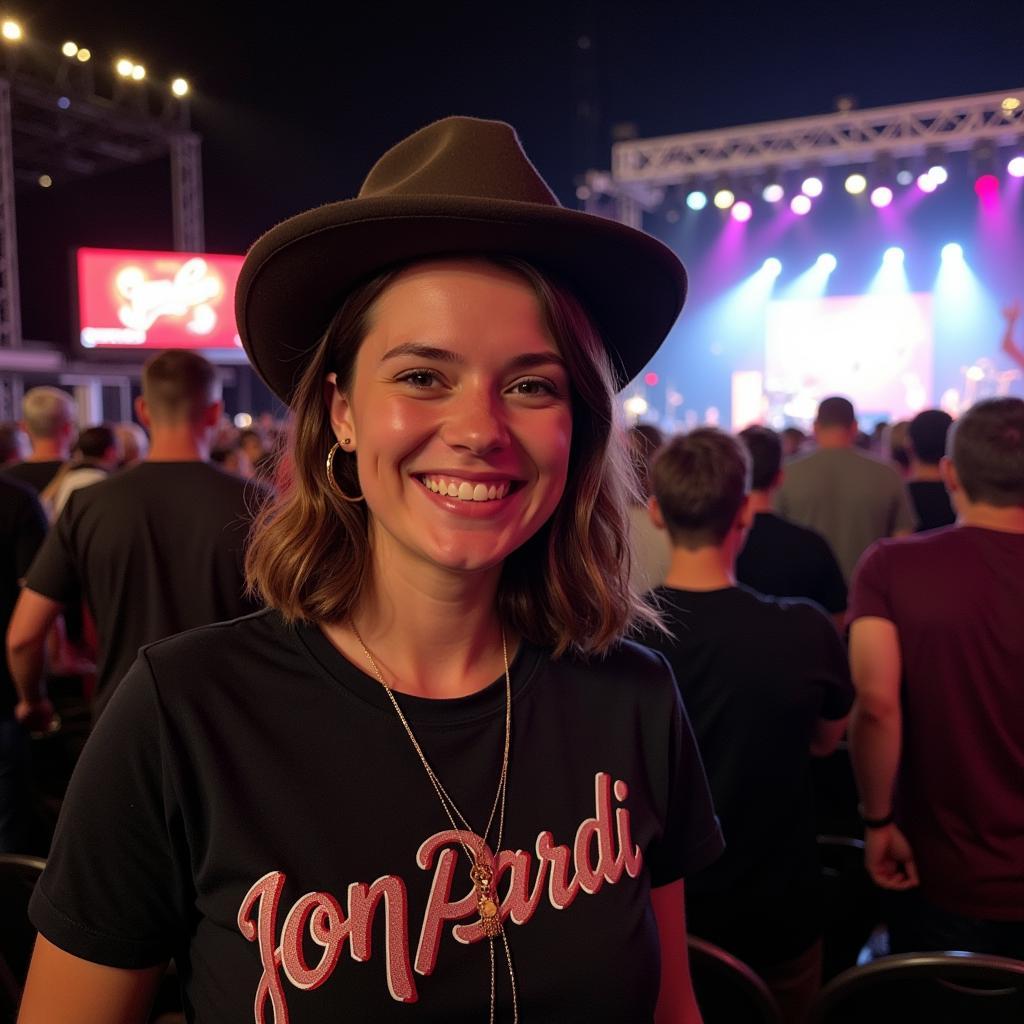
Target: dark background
295 102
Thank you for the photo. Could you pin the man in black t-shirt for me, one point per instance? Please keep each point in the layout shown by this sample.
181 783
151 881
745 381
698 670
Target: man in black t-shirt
49 420
927 440
780 557
22 529
766 686
153 550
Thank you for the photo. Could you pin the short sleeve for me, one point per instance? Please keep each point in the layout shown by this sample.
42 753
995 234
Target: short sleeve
114 891
834 672
691 838
54 572
869 592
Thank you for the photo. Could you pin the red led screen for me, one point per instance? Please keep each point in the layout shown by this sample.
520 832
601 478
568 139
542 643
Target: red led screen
156 300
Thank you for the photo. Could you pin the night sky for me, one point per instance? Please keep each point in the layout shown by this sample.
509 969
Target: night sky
294 107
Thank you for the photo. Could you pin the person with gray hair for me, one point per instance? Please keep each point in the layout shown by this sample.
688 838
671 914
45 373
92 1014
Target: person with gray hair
48 418
134 443
153 550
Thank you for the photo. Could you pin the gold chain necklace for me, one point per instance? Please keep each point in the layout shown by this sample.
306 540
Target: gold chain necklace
481 873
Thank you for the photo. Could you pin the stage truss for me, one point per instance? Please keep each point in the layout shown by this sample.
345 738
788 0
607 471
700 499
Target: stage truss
642 169
54 121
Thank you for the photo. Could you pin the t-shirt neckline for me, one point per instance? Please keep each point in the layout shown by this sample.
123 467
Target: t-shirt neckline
485 703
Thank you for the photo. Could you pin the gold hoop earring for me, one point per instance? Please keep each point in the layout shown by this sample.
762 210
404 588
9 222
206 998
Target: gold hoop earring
332 481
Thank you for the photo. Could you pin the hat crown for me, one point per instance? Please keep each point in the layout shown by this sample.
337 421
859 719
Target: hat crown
459 157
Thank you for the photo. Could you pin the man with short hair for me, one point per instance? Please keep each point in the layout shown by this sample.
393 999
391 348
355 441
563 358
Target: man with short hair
937 734
850 498
48 418
766 685
781 558
926 444
154 550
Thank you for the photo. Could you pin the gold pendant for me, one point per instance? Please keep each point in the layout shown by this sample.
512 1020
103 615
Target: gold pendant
490 920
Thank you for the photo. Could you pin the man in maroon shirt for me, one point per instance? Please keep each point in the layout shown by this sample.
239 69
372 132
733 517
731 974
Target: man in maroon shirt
937 651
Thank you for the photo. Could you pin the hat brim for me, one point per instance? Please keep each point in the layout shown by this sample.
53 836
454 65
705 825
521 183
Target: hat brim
297 275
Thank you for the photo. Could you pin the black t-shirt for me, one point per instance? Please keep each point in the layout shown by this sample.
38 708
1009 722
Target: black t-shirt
784 559
154 550
36 474
245 765
932 504
22 529
756 674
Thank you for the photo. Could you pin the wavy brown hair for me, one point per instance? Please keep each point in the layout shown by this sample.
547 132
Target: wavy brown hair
309 552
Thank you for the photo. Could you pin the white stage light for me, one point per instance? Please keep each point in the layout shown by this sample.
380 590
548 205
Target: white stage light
812 187
856 184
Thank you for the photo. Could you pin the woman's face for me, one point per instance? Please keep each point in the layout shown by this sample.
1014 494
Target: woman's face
459 416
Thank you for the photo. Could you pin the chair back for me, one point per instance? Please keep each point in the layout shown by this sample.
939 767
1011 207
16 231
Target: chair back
852 907
941 988
18 877
728 991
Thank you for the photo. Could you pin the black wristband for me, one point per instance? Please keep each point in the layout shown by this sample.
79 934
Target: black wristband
876 822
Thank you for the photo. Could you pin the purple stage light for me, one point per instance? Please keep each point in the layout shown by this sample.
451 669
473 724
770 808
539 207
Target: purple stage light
800 205
987 186
881 196
742 211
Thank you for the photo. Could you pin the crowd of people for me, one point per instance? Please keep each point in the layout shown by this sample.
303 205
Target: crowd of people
931 687
324 639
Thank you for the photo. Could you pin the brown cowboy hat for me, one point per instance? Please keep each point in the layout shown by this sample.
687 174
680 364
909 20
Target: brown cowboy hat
458 186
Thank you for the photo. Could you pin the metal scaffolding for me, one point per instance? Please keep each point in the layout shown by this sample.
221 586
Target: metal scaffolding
54 121
858 136
187 192
10 294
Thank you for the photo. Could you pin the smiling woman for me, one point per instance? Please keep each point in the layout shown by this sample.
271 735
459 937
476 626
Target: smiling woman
435 747
505 330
